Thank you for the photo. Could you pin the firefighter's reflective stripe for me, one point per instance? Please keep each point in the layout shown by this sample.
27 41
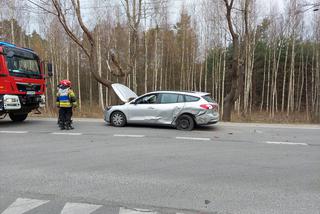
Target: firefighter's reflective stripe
66 98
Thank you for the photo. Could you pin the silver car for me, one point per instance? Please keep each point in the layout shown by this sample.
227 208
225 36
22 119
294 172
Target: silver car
179 109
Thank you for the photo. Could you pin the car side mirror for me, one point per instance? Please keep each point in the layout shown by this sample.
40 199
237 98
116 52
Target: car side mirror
130 99
50 70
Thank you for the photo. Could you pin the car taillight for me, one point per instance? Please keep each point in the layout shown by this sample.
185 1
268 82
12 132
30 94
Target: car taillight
206 106
215 107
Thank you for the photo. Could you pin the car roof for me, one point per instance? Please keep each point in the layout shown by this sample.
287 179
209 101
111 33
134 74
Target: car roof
192 93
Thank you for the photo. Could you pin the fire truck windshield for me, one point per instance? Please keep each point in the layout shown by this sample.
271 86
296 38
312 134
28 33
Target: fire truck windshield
23 67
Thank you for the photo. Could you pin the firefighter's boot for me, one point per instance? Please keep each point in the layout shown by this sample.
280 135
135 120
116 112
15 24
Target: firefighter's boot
69 126
62 125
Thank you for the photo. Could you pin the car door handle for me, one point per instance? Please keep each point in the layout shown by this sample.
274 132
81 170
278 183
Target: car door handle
150 108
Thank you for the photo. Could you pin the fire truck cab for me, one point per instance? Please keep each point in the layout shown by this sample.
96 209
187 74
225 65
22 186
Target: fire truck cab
22 81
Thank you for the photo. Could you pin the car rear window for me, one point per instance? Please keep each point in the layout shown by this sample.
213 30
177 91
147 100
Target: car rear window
191 98
208 99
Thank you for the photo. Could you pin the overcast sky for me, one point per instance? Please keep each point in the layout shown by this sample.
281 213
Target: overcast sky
174 8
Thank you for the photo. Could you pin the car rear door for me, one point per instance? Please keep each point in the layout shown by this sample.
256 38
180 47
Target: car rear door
169 107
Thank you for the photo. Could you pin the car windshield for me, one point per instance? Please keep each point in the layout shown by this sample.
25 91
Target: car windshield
208 98
23 67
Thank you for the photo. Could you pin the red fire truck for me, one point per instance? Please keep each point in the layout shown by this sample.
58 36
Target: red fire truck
22 81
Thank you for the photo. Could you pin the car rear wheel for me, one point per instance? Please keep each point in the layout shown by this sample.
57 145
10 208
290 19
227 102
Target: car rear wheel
118 119
185 123
18 117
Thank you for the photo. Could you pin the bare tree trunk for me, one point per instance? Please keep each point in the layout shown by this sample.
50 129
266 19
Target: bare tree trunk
236 80
206 72
79 80
275 78
156 60
268 83
290 104
213 76
68 72
306 90
223 81
99 61
13 40
200 76
263 82
301 74
284 78
145 62
90 91
182 61
161 64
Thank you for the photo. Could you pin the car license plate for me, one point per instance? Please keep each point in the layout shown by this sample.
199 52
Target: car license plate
31 92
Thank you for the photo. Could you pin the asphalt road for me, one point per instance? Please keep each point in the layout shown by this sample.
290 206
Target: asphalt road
225 168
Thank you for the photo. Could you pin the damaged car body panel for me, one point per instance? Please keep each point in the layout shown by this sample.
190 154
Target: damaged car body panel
179 109
201 116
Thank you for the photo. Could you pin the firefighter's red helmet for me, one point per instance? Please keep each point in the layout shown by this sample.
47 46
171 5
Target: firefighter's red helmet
65 83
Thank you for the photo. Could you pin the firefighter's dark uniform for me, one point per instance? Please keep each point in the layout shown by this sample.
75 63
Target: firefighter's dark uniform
66 99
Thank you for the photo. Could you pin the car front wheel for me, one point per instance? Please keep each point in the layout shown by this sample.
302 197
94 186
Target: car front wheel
18 117
118 119
185 123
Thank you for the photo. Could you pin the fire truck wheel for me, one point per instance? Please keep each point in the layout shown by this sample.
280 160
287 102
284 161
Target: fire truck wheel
18 117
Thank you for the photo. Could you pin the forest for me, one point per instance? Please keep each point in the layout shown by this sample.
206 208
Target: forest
259 60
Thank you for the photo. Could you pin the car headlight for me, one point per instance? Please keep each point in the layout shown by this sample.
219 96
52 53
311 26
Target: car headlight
11 100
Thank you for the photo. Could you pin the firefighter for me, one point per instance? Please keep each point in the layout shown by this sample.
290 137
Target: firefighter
66 100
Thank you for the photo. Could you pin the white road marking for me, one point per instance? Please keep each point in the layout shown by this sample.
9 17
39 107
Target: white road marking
135 211
287 143
22 205
276 126
14 132
65 133
79 208
193 138
122 135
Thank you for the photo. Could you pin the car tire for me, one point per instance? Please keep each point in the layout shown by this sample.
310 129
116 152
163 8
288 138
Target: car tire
18 117
185 123
118 119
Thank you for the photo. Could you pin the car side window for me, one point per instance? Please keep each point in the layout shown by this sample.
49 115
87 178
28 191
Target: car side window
170 98
191 98
149 99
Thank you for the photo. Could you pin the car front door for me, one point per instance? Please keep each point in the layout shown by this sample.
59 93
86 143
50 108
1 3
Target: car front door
143 110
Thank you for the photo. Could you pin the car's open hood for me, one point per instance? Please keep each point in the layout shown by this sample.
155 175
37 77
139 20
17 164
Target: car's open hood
123 92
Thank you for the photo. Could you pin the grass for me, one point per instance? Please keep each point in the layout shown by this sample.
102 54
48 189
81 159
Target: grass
279 117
